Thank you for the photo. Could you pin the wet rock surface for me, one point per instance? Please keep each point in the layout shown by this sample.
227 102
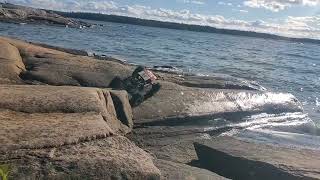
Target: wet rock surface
189 104
20 14
61 120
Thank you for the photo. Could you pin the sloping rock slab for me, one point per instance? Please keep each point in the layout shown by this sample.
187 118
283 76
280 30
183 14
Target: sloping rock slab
175 104
177 171
53 67
110 158
237 159
40 130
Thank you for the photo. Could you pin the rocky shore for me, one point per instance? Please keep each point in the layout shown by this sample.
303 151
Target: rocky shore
60 119
20 14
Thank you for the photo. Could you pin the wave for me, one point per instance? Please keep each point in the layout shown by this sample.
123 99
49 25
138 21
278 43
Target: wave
300 56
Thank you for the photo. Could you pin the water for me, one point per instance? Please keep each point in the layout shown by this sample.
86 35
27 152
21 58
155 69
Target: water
278 65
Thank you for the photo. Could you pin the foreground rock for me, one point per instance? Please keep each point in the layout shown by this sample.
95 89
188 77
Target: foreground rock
243 160
42 116
21 14
109 158
51 132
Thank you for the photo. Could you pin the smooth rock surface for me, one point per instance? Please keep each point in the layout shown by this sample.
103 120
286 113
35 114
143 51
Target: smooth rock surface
42 130
177 171
167 143
238 159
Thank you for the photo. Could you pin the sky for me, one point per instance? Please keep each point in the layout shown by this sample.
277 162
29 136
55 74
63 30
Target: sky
293 18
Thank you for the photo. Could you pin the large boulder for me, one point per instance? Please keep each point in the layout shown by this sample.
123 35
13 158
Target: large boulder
238 159
108 158
67 100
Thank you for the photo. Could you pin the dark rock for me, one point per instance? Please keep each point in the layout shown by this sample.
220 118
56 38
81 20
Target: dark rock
122 107
237 159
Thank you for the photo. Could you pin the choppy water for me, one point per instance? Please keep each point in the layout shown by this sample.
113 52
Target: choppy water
278 65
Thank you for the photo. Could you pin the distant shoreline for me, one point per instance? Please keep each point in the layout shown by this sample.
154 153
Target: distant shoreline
179 26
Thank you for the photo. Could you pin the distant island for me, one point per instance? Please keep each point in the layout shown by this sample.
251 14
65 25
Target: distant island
179 26
11 13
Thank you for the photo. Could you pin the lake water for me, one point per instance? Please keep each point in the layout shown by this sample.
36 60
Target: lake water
277 65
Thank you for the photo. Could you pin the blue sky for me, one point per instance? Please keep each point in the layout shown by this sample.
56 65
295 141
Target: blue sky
296 18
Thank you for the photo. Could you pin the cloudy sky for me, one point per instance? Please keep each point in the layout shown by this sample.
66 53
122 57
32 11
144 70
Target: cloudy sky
295 18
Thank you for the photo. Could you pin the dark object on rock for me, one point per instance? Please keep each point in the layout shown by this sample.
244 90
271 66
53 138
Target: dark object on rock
140 86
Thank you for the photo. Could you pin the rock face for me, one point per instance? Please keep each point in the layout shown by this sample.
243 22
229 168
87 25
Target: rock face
61 120
22 14
11 64
243 160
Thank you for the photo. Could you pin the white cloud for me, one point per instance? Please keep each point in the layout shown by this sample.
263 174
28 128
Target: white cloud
225 3
243 11
278 5
199 2
307 27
